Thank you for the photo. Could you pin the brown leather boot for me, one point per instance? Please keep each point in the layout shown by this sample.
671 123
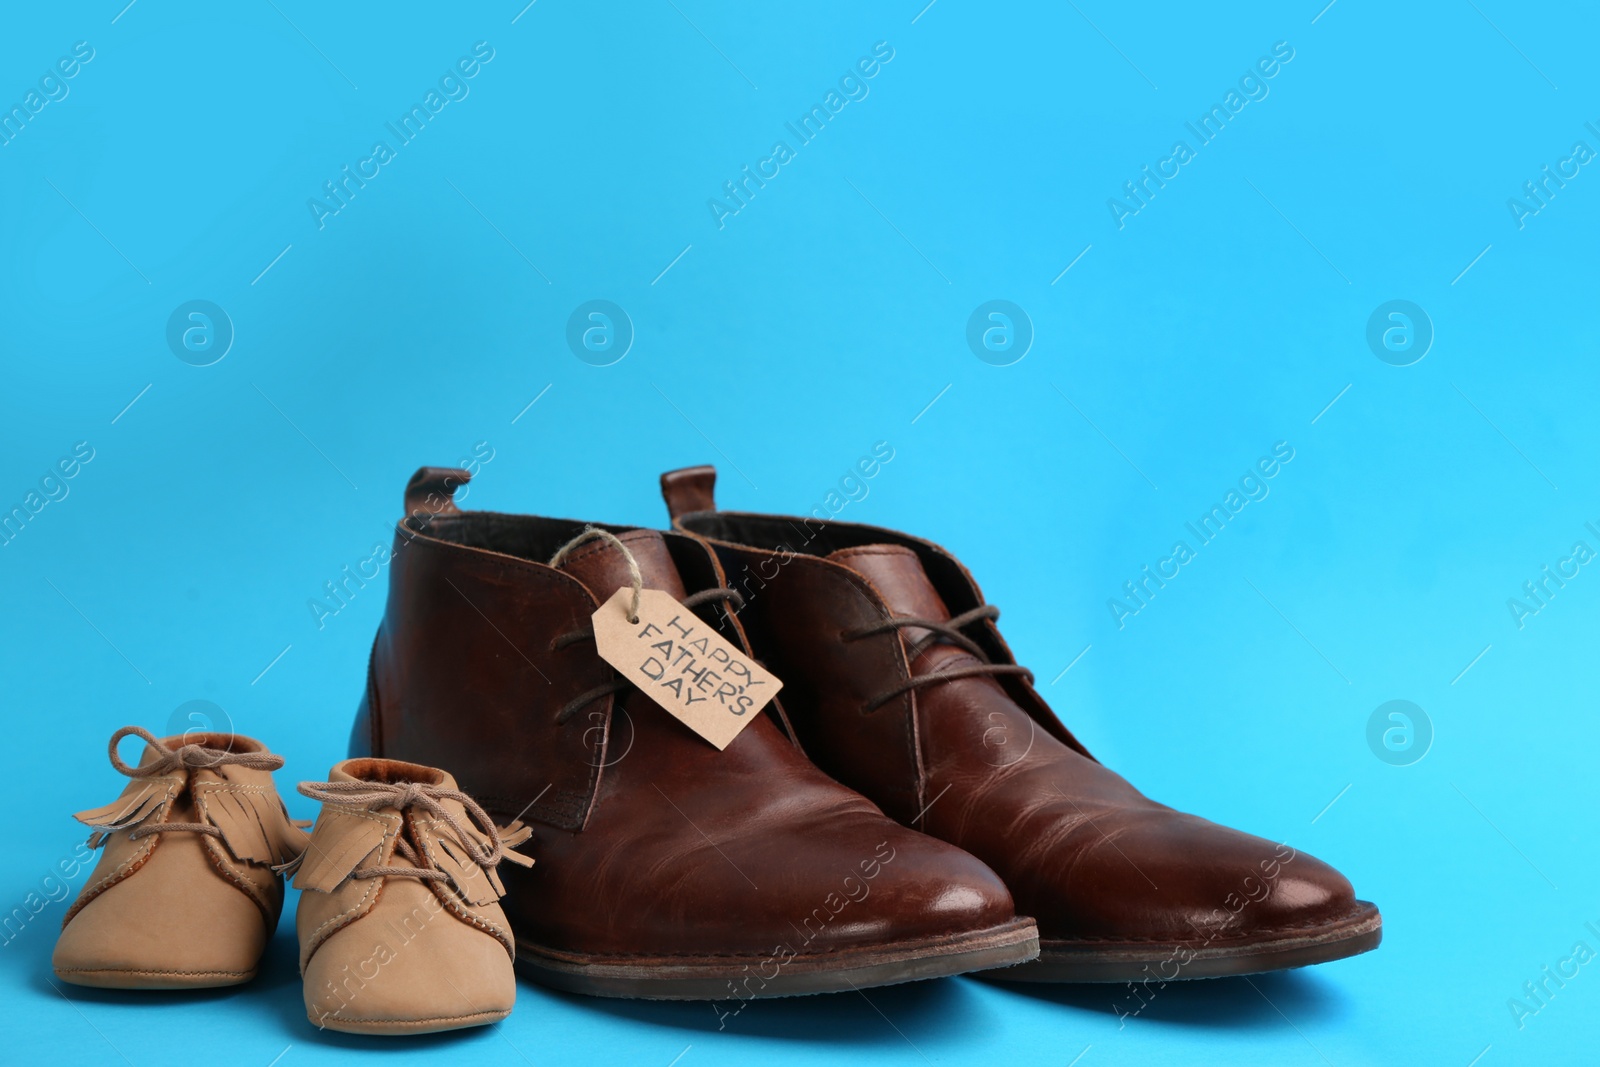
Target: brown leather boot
666 868
185 895
399 928
899 684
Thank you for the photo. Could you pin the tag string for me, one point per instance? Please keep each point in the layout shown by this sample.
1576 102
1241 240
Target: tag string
592 533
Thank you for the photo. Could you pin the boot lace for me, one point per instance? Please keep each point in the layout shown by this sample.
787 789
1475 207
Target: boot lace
619 683
948 633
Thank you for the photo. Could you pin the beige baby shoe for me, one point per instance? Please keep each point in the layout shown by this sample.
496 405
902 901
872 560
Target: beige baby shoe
400 929
185 894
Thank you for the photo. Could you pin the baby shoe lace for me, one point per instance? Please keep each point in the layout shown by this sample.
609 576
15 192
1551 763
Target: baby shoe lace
407 795
186 758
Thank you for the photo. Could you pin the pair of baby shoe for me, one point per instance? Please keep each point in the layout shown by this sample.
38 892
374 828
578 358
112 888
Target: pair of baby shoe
399 927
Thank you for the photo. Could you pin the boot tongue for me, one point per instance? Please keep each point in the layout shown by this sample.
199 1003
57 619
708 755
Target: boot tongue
604 569
897 574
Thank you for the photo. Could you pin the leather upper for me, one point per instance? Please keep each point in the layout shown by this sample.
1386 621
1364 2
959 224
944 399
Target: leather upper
981 761
651 843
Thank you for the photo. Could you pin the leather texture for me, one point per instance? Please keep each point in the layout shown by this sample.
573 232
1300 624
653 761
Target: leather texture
981 761
652 845
394 953
181 909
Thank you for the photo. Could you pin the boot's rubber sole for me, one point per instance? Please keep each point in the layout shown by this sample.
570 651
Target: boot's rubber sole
131 978
728 978
1351 934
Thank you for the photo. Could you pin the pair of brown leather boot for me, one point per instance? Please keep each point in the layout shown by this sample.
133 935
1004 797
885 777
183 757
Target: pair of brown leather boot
862 828
399 926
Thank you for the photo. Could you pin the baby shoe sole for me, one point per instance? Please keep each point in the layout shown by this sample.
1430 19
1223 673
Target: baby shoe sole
729 978
407 1027
123 978
1351 934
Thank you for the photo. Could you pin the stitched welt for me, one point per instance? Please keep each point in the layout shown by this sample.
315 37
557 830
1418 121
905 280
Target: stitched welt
831 907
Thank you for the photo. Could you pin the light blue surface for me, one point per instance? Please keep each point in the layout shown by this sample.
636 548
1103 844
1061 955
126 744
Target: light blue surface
1229 313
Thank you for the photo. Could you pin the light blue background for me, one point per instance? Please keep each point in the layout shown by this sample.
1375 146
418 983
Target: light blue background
825 316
